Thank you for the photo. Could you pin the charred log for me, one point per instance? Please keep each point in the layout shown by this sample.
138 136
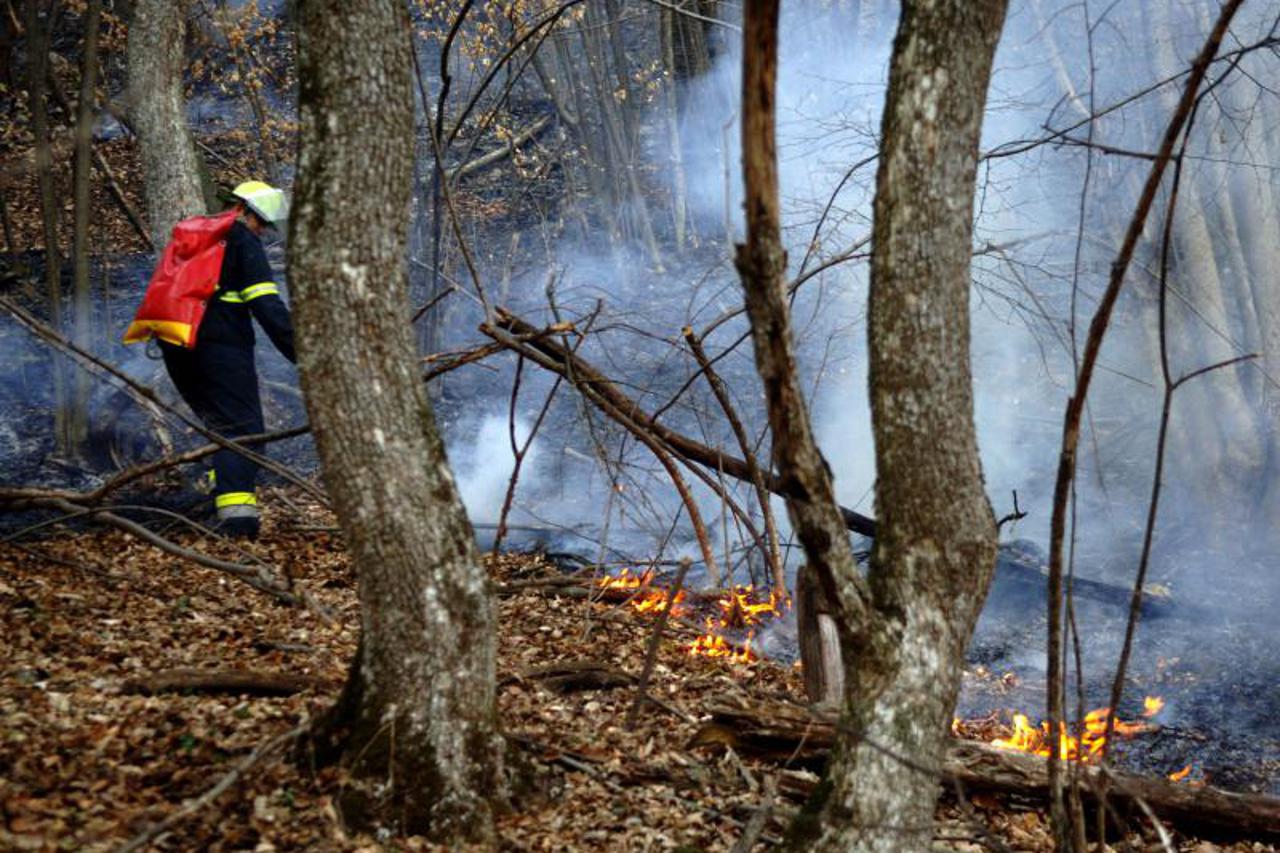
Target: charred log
800 737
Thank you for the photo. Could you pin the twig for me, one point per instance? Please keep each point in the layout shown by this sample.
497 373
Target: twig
519 450
1016 515
721 393
1075 404
759 820
518 335
190 807
239 570
655 640
135 219
128 475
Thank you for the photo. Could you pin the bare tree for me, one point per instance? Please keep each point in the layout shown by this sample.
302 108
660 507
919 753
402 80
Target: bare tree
415 727
158 113
39 33
82 306
904 630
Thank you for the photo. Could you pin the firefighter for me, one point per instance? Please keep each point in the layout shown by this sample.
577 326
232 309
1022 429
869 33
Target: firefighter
217 377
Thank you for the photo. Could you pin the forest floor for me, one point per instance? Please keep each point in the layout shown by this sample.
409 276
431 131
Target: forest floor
86 763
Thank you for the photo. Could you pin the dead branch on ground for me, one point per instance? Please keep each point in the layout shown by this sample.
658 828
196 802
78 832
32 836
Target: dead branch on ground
655 640
795 736
231 681
95 364
190 807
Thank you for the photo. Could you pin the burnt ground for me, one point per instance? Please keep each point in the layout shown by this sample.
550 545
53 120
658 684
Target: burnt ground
86 765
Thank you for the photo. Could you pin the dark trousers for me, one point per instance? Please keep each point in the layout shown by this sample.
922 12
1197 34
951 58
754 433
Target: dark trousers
220 384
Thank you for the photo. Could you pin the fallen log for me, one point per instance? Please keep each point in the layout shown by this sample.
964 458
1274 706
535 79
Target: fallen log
796 736
231 681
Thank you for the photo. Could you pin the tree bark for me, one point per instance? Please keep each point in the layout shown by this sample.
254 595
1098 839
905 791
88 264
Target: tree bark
416 727
902 635
819 638
82 305
935 547
39 33
158 113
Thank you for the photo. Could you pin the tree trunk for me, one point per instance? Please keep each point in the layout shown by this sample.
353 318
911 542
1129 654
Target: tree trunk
82 305
819 641
416 728
158 113
39 32
902 635
935 547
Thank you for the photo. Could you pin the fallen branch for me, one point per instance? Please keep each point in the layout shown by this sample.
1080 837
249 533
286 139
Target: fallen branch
759 820
507 150
16 498
795 736
190 807
606 395
248 574
655 640
232 681
59 341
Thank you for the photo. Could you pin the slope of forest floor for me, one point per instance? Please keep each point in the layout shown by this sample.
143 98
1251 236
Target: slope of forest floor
87 763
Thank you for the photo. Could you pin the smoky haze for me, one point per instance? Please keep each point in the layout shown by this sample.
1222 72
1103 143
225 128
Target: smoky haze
1050 216
1048 222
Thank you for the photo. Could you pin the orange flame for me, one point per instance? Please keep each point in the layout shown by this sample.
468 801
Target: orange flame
645 600
625 580
737 605
1179 775
715 646
1083 747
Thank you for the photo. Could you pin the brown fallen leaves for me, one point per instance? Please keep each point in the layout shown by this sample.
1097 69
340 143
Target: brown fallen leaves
85 765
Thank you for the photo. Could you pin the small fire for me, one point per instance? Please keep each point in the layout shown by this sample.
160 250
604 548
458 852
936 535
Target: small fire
740 607
626 580
1179 775
1083 747
656 602
740 610
715 646
643 599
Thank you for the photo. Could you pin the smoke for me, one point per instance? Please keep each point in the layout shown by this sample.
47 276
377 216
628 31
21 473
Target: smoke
1049 218
483 468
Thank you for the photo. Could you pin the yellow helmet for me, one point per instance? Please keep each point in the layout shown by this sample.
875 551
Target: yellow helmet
266 201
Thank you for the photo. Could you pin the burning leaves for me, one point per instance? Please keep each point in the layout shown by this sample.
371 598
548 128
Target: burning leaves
739 609
1084 745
